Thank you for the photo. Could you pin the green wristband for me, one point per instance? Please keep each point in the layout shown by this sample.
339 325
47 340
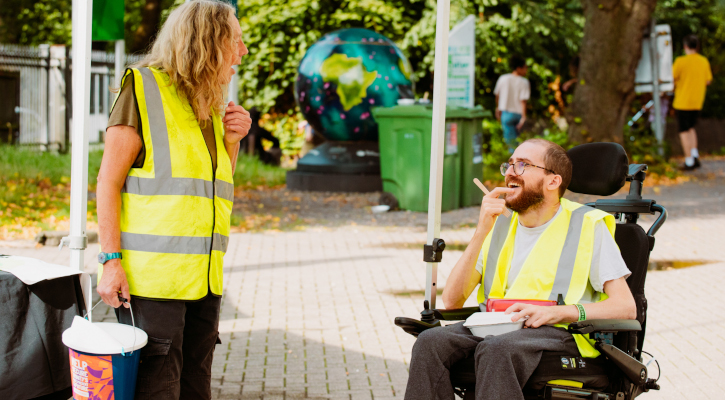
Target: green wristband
582 313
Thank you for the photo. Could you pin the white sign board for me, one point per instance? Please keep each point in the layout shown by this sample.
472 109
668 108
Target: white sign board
461 63
643 76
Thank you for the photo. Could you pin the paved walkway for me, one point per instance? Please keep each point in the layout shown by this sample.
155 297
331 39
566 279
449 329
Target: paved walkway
310 314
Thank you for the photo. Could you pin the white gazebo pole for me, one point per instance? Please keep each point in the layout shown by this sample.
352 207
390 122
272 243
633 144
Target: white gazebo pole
77 240
120 62
437 142
233 93
654 56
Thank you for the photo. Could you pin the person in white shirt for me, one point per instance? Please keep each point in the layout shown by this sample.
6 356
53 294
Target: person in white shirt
512 91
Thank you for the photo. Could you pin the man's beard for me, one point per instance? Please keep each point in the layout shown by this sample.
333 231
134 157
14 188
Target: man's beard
528 199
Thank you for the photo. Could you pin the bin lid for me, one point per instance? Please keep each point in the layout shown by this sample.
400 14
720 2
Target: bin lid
103 337
420 110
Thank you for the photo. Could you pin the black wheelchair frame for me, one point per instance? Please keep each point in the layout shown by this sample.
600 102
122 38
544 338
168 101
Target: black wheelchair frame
619 341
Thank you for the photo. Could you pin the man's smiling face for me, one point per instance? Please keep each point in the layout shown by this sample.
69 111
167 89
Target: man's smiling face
529 186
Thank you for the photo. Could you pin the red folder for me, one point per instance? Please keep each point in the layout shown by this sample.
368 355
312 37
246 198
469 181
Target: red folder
501 305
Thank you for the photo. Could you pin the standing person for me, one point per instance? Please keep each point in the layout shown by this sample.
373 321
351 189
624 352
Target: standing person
692 75
165 194
512 91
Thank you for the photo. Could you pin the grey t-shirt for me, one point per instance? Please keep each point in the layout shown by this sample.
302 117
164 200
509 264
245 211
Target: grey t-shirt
607 262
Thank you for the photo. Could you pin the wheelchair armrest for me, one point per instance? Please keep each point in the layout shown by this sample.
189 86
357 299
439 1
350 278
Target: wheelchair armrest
635 370
413 326
605 325
456 314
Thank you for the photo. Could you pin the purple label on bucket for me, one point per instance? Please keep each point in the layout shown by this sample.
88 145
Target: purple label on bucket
91 376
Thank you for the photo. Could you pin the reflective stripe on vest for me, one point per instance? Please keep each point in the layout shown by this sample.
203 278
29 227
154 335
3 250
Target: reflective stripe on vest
565 270
175 211
553 267
174 244
501 230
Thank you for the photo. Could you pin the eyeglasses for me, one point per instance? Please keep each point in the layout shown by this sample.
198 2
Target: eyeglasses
520 167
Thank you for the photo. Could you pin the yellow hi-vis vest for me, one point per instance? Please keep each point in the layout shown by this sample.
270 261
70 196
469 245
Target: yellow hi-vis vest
559 262
175 210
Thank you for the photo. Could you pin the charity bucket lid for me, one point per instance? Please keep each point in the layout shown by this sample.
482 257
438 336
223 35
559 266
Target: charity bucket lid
103 337
489 318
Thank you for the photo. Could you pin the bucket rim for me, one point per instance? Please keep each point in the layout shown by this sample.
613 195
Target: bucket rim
80 342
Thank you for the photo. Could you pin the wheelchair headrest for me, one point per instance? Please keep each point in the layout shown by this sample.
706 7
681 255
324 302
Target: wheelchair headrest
598 168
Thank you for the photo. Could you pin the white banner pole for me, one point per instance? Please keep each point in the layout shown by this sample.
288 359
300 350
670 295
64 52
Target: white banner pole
437 142
77 240
659 134
233 94
120 64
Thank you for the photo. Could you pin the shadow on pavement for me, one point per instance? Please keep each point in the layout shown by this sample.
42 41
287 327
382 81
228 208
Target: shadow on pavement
279 364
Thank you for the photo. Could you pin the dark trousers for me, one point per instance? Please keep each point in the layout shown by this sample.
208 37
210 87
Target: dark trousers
176 362
503 363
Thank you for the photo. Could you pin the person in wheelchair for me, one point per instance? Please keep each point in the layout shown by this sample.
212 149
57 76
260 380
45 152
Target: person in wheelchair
549 248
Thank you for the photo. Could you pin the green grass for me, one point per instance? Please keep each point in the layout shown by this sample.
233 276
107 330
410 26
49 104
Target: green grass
35 188
17 163
21 163
252 173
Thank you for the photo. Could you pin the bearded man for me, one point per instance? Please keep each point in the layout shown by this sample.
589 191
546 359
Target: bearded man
549 247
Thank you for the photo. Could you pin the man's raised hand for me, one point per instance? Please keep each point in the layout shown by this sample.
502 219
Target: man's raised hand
492 207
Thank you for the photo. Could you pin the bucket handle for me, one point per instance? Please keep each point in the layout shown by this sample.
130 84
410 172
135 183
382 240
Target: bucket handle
133 323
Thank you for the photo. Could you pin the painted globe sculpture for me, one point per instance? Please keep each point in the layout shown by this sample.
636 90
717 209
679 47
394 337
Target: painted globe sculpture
344 75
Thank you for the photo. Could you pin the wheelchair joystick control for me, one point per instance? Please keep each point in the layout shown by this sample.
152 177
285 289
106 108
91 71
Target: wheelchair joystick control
427 315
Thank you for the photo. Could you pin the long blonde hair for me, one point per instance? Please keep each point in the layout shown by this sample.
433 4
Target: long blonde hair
191 48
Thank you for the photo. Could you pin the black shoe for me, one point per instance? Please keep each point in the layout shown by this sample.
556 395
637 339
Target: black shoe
686 167
697 162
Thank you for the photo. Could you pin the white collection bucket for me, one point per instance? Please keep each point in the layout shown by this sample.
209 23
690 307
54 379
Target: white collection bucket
104 359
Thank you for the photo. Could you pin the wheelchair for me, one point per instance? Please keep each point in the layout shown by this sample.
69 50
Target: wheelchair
619 373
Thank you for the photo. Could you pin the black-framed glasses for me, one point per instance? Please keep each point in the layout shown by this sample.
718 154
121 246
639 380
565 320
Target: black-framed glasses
520 167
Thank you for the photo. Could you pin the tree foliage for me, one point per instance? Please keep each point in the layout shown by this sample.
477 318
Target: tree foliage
279 32
547 33
33 22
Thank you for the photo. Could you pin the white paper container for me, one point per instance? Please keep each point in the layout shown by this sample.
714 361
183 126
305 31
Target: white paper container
483 324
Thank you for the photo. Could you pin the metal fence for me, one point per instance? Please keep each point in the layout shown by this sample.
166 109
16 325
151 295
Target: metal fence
35 107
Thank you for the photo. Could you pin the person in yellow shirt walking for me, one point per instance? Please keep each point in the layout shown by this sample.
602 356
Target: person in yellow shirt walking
692 75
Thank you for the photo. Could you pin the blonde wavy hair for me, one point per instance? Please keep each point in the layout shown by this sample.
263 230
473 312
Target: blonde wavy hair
191 48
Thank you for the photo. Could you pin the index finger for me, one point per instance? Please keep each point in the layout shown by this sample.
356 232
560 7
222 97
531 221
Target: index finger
238 109
498 191
515 307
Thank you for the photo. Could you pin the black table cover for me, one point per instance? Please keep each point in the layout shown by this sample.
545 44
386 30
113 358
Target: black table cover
33 360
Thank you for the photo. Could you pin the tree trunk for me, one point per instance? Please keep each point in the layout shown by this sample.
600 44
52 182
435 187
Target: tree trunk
610 52
146 31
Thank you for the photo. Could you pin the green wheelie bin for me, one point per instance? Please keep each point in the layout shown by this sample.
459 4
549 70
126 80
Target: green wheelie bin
468 123
405 141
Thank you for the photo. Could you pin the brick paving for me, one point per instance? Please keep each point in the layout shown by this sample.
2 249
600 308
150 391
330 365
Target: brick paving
309 315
